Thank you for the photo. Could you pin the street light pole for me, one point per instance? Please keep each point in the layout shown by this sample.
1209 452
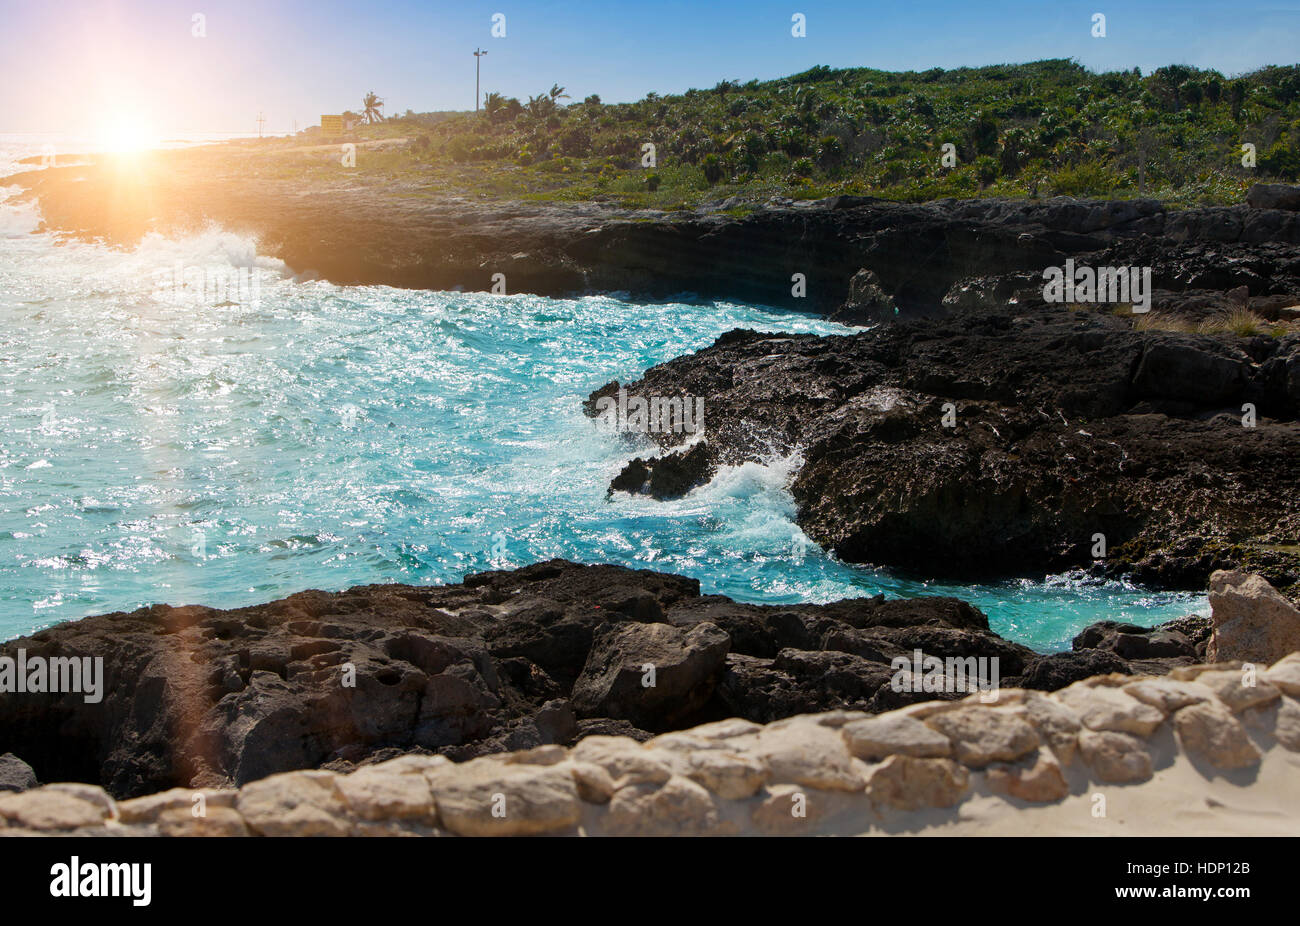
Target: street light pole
477 55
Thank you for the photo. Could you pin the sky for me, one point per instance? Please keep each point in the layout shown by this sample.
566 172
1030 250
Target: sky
75 66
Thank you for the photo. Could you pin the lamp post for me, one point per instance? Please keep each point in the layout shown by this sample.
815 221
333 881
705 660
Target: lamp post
477 55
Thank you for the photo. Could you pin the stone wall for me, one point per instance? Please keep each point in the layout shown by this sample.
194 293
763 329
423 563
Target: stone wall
808 774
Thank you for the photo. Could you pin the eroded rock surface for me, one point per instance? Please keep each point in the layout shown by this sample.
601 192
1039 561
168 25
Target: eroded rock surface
541 656
1008 442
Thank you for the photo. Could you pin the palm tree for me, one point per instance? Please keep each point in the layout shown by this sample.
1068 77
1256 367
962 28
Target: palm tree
371 105
557 93
493 103
541 106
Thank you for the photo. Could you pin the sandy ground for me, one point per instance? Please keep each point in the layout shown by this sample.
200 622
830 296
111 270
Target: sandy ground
1182 799
1178 801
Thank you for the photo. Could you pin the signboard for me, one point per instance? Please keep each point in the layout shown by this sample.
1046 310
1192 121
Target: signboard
331 125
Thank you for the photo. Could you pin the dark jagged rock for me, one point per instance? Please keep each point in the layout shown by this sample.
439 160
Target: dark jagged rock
1274 196
1001 442
15 774
867 302
1185 638
669 476
652 675
1062 669
197 696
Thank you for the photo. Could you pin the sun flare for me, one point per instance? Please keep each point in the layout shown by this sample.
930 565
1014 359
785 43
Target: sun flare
125 133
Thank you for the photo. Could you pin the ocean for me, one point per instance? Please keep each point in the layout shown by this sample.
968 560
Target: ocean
188 422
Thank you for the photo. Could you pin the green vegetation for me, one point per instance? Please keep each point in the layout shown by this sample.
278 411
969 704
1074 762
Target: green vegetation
1040 129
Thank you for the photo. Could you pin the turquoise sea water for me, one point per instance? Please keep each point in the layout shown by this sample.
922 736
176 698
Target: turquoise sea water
158 448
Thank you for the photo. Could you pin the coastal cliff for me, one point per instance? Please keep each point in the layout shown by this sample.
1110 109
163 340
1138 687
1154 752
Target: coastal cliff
361 229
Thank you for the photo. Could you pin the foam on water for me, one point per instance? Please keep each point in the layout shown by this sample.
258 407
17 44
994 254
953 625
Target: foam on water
320 436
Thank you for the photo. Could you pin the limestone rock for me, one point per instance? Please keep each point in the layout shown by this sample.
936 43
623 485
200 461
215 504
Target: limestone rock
1116 758
1166 694
1287 727
1210 730
1229 687
911 783
626 760
595 785
538 755
678 807
487 797
889 734
729 775
805 753
983 735
1039 783
1252 621
217 821
788 810
1105 708
147 809
294 804
1285 675
91 794
1057 725
379 793
46 809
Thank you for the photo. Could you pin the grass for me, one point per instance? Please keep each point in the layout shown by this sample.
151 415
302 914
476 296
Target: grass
1240 322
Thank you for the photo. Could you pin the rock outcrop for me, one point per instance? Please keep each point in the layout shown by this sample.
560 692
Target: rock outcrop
541 656
1250 620
838 771
15 774
1274 196
371 231
1009 442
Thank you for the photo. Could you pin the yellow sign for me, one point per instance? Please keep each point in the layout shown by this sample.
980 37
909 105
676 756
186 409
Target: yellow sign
331 125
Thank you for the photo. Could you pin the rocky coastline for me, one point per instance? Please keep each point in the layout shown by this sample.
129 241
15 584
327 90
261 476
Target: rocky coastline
543 655
974 432
361 230
1163 750
1006 441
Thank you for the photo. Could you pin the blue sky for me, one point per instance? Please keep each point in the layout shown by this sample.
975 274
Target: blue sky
69 63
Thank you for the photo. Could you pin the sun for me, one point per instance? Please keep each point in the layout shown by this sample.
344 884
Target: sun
126 132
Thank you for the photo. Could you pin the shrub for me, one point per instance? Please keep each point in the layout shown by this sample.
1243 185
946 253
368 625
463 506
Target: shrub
712 166
986 169
460 148
830 152
576 142
802 168
1087 179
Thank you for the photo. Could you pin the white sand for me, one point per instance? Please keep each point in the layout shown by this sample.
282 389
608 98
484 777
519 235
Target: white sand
1182 799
